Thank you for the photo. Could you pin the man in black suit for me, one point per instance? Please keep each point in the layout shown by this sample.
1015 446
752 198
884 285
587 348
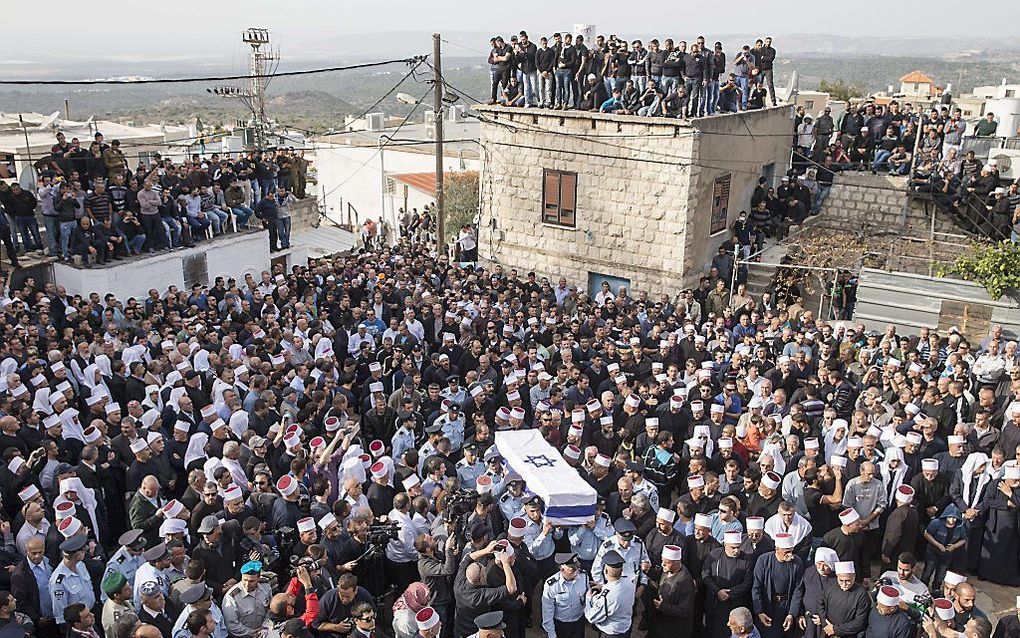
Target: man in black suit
25 588
153 608
134 386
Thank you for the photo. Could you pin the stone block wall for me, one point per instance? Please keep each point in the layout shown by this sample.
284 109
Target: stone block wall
644 197
865 202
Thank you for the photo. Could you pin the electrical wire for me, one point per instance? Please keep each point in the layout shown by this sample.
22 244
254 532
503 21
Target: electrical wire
381 146
386 95
220 78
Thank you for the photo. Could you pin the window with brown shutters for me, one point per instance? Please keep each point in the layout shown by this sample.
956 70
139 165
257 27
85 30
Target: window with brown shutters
559 197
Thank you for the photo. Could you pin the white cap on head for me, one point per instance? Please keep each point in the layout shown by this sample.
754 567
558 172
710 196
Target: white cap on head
327 520
672 552
696 481
306 524
771 480
855 442
811 444
849 516
904 494
733 537
845 567
953 579
784 541
427 618
755 523
69 526
28 493
232 493
827 556
572 452
411 481
725 443
955 439
932 465
633 401
603 460
888 596
665 514
718 409
944 609
1011 472
914 438
703 520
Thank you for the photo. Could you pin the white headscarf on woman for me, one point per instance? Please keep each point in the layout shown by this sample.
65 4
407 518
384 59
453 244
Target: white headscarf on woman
196 449
147 402
41 403
7 366
832 446
201 361
975 461
103 362
71 425
892 478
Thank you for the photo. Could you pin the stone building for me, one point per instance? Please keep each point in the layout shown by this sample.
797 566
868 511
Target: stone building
639 201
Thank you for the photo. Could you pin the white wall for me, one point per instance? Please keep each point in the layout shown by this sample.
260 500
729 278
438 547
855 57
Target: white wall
353 174
232 256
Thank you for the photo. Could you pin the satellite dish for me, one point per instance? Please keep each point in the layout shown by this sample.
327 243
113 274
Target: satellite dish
404 98
1004 162
49 120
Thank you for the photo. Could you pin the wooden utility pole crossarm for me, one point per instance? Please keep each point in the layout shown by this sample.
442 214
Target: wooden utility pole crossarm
437 108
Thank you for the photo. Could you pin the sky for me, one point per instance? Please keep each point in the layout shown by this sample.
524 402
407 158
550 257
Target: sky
205 25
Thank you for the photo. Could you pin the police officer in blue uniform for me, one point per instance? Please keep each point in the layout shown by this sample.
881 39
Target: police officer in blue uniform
470 467
128 558
70 582
609 605
563 599
490 625
585 540
511 503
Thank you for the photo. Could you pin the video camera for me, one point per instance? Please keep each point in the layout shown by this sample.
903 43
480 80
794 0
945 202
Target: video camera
380 534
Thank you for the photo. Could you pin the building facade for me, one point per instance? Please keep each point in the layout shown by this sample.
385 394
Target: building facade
637 201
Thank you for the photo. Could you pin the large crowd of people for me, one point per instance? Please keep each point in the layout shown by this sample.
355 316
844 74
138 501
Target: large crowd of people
96 209
610 75
311 453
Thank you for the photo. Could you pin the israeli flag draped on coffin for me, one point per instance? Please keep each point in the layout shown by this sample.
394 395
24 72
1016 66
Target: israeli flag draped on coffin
569 500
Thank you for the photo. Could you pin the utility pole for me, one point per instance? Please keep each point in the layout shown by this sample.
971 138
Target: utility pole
437 108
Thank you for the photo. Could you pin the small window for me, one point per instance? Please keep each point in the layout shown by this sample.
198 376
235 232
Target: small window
1010 93
559 197
809 105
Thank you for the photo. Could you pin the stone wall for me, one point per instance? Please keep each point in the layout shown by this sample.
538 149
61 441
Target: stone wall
865 202
644 193
304 214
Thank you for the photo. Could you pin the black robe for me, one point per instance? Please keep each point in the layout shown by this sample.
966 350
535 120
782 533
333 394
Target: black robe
735 574
847 547
1001 546
814 589
847 610
778 591
897 625
675 615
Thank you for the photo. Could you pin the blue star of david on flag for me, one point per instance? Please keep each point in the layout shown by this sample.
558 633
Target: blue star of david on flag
540 460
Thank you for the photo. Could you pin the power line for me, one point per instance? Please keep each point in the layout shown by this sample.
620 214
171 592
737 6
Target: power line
219 78
381 146
386 95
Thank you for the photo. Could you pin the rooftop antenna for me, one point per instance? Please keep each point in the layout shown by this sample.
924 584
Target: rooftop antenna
261 58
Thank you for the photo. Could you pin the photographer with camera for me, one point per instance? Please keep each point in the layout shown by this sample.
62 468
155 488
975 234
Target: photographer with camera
335 607
436 566
284 606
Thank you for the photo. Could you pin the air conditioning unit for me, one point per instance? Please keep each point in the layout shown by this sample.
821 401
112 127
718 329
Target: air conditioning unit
457 113
1007 160
375 122
430 131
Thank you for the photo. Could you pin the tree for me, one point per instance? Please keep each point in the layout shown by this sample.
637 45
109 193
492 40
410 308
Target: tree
461 201
840 90
994 266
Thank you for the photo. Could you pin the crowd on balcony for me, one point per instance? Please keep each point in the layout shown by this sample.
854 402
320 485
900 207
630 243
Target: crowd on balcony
96 208
662 79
